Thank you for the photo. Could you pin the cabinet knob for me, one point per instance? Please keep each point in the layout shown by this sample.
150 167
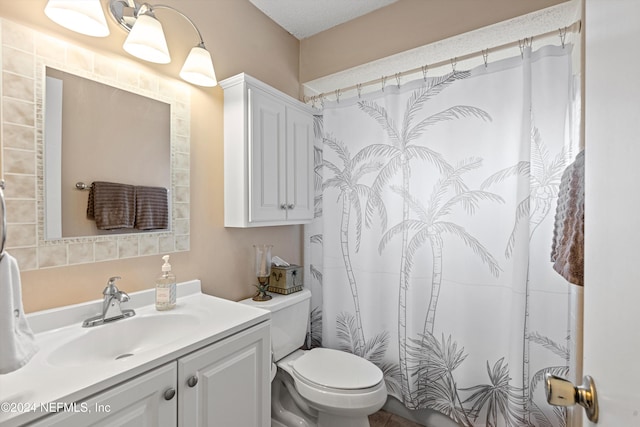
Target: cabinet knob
283 206
291 206
169 393
192 381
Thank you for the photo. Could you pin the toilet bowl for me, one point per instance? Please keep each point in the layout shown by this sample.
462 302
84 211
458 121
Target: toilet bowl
319 387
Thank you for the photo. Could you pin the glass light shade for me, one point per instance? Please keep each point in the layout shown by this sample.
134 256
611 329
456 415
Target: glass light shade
198 68
82 16
263 260
146 41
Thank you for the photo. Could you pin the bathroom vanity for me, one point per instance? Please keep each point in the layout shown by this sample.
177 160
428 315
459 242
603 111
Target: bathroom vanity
207 362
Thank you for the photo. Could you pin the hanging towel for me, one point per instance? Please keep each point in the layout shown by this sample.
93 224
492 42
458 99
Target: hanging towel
152 208
567 250
17 344
112 205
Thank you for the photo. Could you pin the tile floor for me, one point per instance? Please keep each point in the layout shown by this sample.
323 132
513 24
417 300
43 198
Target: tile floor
387 419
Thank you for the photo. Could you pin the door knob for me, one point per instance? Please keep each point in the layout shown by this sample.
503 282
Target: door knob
561 392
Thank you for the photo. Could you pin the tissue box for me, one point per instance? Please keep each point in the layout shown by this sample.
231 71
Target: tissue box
285 280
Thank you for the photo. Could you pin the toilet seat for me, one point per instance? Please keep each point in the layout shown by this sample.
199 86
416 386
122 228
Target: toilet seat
337 370
321 388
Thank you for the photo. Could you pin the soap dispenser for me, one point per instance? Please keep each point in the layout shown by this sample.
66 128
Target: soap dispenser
166 287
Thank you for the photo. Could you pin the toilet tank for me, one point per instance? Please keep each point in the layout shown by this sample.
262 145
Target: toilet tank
289 320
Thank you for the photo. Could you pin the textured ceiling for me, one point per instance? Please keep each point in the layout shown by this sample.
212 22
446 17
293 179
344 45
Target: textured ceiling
304 18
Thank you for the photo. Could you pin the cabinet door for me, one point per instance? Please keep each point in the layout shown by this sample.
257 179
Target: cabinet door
267 161
300 194
233 382
136 403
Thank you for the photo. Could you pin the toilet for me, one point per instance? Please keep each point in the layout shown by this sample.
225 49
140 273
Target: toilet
319 387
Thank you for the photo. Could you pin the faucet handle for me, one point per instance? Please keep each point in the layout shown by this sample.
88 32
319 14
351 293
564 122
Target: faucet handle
111 288
122 296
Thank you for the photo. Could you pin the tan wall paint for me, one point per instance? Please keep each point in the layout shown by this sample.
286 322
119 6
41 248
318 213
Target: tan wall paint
401 26
220 257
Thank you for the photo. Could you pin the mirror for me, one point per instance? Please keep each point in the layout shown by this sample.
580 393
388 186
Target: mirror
97 132
34 249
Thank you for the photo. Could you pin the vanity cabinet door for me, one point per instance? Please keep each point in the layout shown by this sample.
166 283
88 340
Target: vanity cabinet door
299 165
227 384
267 191
143 401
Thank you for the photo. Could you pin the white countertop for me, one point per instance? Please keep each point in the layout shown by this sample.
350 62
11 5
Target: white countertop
41 382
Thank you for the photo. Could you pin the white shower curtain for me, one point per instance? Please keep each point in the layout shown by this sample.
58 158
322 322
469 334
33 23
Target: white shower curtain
430 251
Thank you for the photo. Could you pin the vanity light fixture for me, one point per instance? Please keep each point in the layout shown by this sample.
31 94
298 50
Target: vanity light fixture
146 39
84 17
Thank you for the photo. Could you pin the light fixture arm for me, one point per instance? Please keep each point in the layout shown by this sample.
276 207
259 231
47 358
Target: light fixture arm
163 6
125 12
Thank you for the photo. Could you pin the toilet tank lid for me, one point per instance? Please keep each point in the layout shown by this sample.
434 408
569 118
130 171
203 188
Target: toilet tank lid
337 369
279 301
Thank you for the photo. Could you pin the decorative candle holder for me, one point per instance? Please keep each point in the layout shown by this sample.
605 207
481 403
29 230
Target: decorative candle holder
263 271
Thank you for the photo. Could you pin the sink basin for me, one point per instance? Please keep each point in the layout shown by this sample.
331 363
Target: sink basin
122 339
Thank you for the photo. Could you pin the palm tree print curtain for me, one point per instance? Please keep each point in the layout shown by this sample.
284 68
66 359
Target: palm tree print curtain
430 252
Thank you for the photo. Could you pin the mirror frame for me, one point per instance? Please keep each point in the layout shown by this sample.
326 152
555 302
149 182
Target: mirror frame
132 77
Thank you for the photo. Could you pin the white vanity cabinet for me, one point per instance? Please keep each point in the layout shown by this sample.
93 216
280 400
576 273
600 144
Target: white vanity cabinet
147 400
268 155
226 383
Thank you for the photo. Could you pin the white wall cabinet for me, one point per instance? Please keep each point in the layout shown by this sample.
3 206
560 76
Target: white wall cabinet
268 156
223 384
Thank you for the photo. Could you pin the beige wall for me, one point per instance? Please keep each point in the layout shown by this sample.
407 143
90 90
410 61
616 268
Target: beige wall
220 257
401 26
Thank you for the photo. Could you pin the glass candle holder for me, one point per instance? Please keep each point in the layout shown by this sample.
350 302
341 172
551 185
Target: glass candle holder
263 270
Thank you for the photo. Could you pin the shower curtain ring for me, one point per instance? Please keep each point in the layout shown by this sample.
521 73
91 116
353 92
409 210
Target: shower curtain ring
359 89
454 62
485 57
398 79
563 35
383 80
425 68
338 92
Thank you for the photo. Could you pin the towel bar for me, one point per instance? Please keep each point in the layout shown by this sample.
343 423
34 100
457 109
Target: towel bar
82 186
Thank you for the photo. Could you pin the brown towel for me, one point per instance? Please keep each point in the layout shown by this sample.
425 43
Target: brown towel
152 208
112 205
567 250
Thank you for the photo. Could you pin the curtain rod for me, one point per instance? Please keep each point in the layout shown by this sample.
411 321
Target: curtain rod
576 27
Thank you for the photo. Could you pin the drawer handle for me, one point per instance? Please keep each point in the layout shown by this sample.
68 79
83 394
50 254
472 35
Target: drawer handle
169 393
192 381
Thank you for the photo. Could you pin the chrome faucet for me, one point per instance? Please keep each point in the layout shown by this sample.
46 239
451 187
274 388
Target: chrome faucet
111 309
